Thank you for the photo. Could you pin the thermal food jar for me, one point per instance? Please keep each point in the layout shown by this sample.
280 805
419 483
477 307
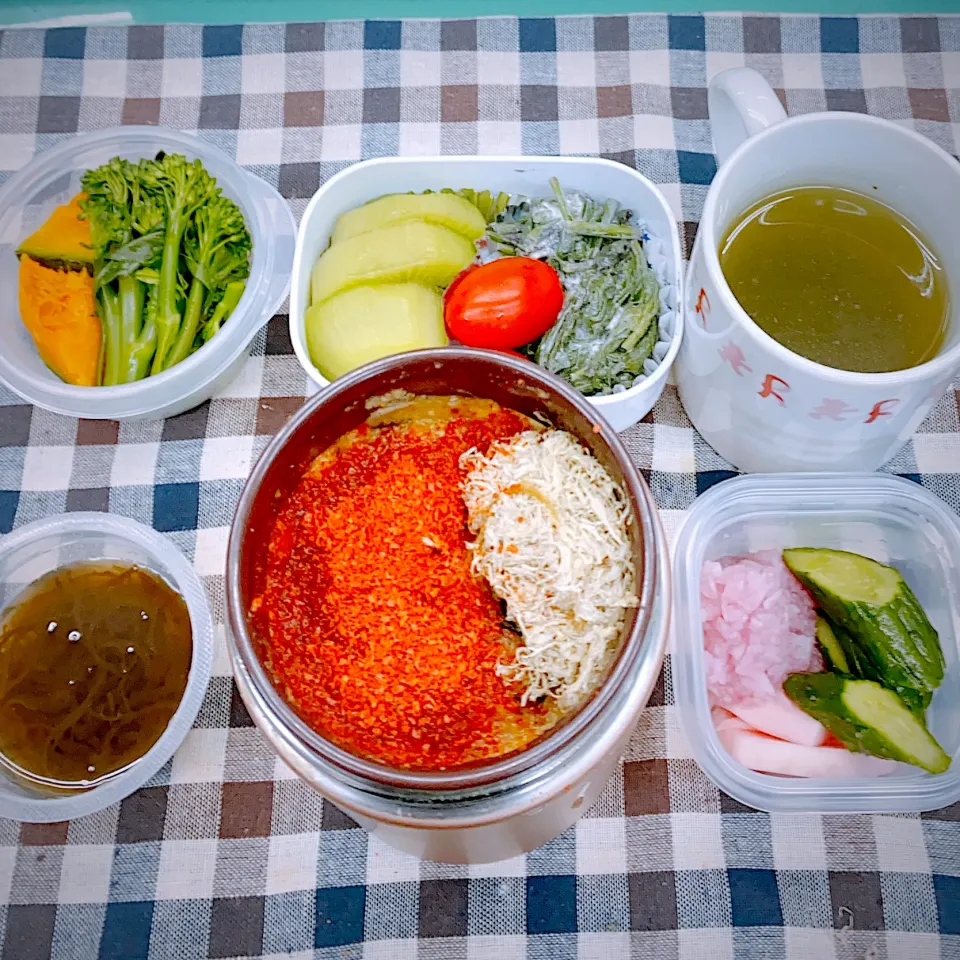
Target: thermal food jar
512 805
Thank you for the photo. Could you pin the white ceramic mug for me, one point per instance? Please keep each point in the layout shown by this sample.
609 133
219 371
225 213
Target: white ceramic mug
755 402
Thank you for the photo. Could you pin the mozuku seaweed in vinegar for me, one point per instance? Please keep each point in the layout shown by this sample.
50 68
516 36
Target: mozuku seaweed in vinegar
94 659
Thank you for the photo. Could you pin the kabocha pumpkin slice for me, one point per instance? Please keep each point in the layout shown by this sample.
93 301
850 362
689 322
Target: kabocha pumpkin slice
63 242
58 310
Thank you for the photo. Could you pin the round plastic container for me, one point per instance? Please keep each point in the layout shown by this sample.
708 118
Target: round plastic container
52 178
38 548
884 517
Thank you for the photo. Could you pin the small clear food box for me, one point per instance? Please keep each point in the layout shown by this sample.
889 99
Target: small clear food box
884 517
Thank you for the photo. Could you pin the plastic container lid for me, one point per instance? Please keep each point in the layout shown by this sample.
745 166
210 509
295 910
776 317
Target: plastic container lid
52 178
37 548
887 518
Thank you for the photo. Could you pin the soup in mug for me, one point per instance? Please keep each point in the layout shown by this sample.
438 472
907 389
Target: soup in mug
839 278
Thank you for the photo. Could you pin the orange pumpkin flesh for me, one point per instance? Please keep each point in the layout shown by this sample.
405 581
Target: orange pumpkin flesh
57 307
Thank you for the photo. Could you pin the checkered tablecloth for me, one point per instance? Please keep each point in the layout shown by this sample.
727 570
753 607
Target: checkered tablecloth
225 853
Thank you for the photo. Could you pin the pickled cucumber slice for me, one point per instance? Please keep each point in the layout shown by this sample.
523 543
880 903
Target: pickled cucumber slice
873 603
442 209
866 718
409 252
367 323
845 655
831 646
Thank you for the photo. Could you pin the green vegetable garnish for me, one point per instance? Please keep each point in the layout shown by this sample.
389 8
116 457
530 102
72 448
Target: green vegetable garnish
608 327
169 249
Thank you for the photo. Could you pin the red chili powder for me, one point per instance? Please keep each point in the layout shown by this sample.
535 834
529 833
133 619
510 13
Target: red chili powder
378 633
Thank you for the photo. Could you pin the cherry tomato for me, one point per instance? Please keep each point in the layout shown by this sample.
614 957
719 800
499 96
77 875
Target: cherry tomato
503 303
466 271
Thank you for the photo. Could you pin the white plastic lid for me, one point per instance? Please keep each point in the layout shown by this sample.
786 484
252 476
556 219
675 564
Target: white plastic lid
37 548
885 517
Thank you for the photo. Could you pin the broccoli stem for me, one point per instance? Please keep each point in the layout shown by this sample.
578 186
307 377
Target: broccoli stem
168 316
228 303
183 344
131 321
138 364
110 320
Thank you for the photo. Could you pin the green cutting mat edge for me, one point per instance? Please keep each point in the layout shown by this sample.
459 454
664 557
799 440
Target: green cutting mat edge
254 11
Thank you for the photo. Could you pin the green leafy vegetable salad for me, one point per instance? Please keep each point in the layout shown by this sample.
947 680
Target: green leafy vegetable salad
608 327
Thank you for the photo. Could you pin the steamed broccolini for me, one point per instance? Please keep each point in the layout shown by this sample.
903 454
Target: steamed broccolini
609 326
217 249
168 247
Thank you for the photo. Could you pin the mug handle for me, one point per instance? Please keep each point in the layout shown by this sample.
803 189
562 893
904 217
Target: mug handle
740 103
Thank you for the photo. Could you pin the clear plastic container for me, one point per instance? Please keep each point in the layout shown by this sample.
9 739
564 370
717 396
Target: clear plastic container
884 517
40 547
52 178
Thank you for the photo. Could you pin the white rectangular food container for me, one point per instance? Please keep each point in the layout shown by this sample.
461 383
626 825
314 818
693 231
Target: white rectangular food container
527 176
884 517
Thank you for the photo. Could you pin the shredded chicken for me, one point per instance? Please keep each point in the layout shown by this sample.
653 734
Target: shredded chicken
552 541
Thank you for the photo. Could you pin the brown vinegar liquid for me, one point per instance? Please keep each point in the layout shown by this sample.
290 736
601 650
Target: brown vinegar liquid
839 278
94 659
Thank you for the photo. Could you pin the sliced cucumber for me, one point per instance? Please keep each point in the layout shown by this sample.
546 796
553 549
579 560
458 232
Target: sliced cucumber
831 647
442 209
916 700
410 252
873 603
853 660
866 718
845 655
367 323
849 575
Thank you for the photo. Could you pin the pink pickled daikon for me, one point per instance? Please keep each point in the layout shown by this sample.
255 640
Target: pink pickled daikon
757 751
758 627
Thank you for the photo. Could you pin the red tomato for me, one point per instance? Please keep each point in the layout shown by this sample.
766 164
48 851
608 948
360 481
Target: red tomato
457 280
504 303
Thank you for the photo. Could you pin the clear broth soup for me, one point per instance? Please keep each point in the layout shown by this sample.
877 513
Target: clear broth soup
839 278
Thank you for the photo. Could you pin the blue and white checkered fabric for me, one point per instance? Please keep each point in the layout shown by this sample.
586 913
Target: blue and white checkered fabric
226 853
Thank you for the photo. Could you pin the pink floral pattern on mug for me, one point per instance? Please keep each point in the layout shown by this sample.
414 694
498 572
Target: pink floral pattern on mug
831 408
732 354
